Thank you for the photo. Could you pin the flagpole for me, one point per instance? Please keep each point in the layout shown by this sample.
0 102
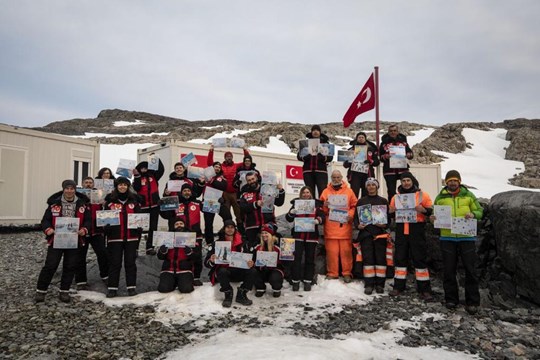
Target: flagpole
377 105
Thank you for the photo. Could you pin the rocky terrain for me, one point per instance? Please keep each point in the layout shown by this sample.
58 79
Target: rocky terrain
521 132
90 329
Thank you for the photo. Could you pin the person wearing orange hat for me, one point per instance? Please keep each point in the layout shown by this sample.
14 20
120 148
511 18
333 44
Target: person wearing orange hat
464 205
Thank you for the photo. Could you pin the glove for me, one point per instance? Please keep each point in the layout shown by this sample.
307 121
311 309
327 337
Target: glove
163 249
316 221
366 161
188 250
221 200
292 212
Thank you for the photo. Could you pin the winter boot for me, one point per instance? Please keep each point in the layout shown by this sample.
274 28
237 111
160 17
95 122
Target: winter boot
228 298
64 296
260 292
276 293
112 293
295 285
368 290
197 282
40 297
241 297
132 292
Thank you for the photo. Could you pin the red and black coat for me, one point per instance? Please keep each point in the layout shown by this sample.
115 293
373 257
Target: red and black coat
317 214
229 170
279 265
236 180
384 149
372 159
237 245
177 260
196 186
119 233
147 186
217 182
253 215
54 211
315 163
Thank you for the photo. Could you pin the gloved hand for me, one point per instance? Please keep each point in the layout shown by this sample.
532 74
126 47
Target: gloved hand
163 249
293 211
221 200
188 250
366 161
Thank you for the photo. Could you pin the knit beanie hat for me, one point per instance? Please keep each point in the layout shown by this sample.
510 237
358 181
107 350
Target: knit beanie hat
67 183
229 222
268 228
316 127
373 181
228 153
452 175
186 186
122 180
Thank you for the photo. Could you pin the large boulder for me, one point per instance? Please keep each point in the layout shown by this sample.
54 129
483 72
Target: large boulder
515 217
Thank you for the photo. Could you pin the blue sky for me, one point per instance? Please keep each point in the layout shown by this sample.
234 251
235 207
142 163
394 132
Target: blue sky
299 61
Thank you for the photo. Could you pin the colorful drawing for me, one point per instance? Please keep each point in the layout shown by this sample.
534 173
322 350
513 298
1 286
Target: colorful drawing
153 162
337 215
266 258
237 142
406 216
443 216
462 226
168 203
379 214
140 220
405 201
183 239
240 260
219 142
345 155
222 252
364 214
107 217
286 249
304 207
188 160
163 238
304 224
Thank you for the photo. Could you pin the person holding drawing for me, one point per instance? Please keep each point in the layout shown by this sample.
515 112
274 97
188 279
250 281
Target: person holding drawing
410 235
145 183
464 204
392 170
338 227
271 273
357 175
224 274
63 204
315 168
217 182
306 242
372 237
122 242
177 268
97 240
229 171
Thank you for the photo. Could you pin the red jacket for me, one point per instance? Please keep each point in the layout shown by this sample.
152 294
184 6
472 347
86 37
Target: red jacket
229 171
237 245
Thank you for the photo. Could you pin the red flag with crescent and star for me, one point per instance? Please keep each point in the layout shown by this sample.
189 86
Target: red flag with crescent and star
293 172
365 101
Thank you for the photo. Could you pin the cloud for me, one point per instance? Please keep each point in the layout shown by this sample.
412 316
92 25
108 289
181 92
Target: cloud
281 61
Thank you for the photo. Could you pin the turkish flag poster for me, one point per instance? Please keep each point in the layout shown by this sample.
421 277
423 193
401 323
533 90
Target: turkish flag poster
294 179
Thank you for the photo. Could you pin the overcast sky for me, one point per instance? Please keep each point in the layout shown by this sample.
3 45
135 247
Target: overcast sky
439 61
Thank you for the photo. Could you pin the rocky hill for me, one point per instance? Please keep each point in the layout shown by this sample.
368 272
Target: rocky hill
521 132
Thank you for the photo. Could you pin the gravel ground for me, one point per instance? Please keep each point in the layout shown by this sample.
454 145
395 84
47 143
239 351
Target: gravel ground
87 329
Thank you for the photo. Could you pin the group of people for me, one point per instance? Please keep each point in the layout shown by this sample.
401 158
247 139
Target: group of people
255 230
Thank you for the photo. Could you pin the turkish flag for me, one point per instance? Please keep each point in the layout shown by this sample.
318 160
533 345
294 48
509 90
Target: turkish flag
365 101
293 172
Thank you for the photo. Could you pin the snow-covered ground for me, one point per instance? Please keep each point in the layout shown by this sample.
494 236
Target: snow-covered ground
278 341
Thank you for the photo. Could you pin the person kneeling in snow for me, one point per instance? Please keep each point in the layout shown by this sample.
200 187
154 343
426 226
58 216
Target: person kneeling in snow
177 268
225 274
272 274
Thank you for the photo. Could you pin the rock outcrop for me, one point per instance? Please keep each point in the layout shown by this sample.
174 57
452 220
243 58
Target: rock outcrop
524 146
515 216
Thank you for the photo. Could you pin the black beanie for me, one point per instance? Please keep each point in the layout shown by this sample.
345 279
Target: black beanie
122 180
316 127
186 186
67 183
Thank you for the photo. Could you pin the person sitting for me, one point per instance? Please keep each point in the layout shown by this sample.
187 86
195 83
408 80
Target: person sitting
271 274
224 274
177 268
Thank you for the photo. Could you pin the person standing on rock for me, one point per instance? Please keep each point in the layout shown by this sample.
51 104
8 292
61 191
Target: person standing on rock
97 240
373 239
339 205
62 204
122 242
224 274
393 141
357 176
315 168
228 167
410 236
146 184
306 241
463 204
